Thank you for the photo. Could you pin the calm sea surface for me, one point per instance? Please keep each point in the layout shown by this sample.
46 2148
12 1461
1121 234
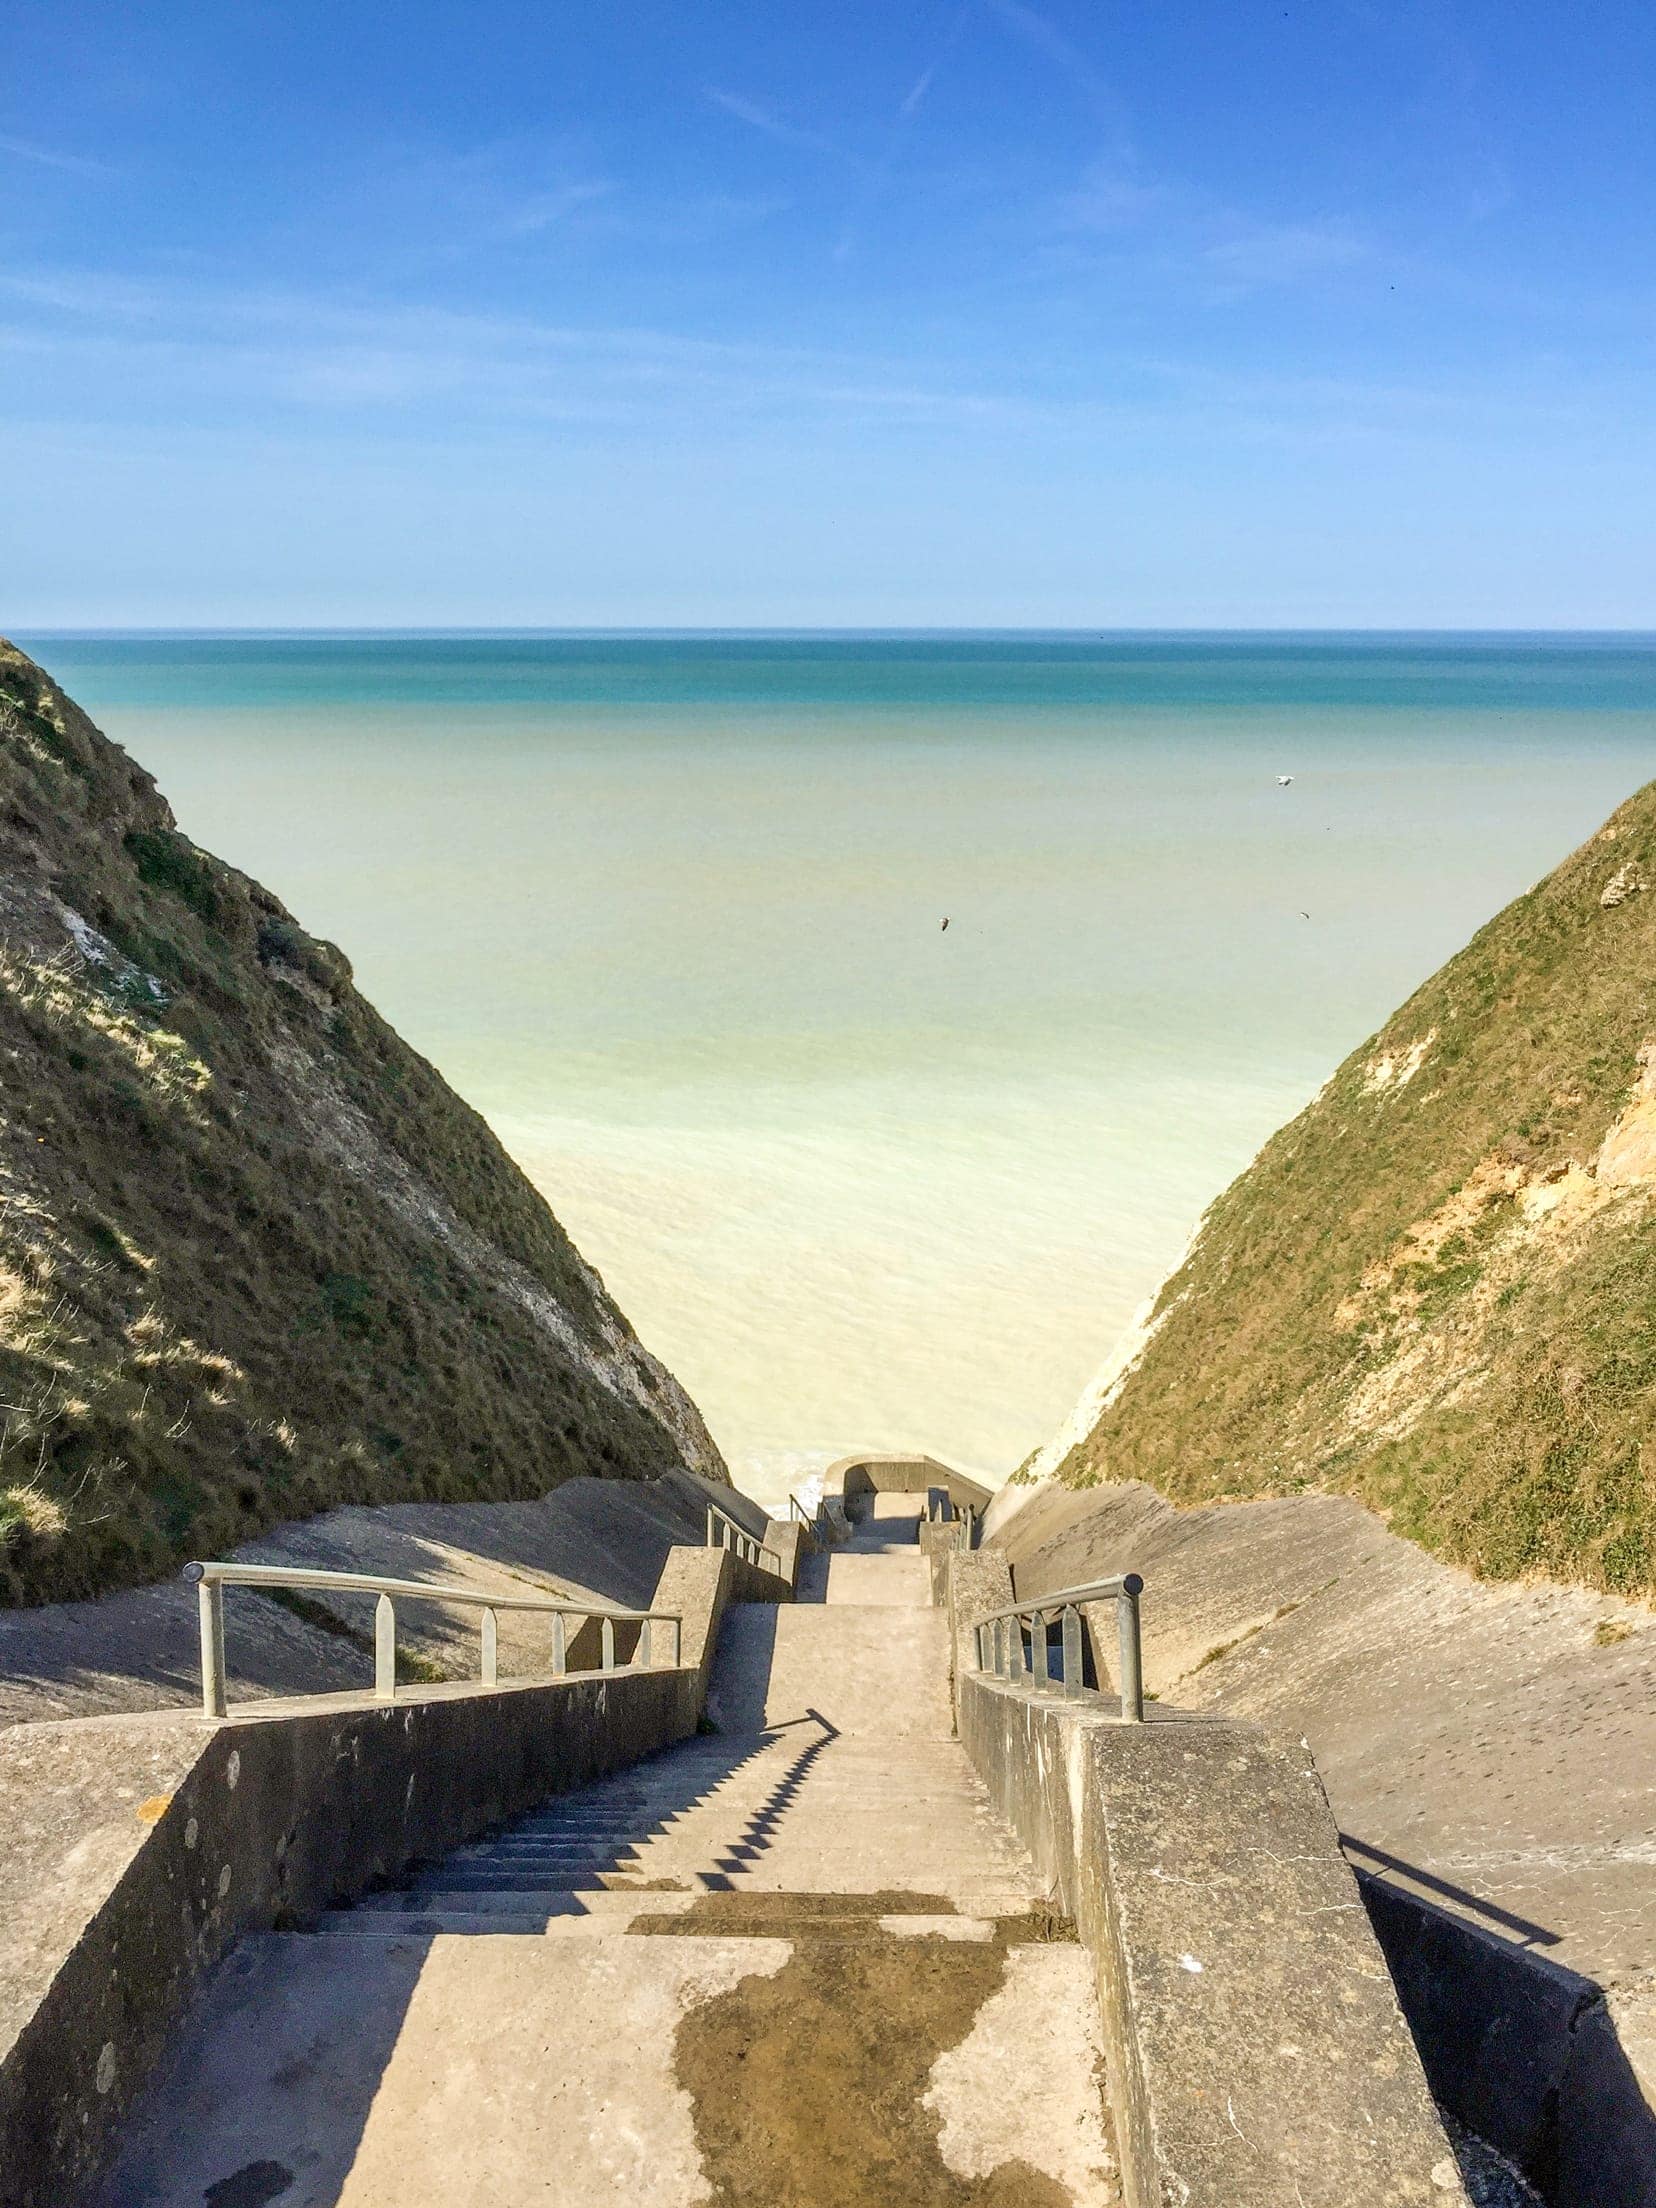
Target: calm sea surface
669 911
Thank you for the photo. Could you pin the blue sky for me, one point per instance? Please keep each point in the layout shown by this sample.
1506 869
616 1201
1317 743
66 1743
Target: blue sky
880 312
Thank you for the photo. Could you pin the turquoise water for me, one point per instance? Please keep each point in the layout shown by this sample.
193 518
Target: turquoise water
668 910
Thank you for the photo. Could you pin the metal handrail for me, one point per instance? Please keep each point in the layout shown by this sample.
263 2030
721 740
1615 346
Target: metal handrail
725 1532
212 1579
1000 1641
796 1509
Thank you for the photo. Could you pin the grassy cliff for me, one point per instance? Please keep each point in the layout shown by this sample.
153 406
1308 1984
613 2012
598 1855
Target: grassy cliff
1436 1288
256 1258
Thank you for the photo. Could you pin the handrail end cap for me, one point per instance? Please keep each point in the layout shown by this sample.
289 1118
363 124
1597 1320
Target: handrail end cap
194 1571
1131 1584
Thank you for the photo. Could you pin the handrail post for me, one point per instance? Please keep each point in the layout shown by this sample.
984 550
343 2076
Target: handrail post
560 1644
490 1666
1074 1659
1132 1662
677 1625
385 1649
646 1645
606 1635
210 1604
1014 1648
1040 1669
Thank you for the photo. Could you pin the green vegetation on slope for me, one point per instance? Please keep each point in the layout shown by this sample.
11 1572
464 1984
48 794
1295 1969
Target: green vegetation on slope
256 1258
1436 1289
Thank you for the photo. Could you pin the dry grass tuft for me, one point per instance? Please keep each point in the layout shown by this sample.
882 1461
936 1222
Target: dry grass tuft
256 1259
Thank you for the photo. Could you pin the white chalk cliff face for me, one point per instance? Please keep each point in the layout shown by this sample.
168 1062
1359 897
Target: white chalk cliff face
256 1258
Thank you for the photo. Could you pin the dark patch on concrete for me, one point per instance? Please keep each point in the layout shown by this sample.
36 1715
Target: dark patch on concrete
734 1913
254 2185
816 1916
806 2087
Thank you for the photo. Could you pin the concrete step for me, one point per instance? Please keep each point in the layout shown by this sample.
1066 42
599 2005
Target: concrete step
785 1921
979 1897
966 1818
964 1833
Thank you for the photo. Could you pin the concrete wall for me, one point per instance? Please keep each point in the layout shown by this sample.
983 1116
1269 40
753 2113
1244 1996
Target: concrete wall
791 1544
126 1899
854 1478
1488 1751
1529 2055
938 1542
1258 2056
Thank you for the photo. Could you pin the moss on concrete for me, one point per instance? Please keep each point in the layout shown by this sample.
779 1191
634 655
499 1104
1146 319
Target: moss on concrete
809 2086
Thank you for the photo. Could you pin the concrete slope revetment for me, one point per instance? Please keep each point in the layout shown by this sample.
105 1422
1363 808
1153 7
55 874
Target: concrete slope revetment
794 1960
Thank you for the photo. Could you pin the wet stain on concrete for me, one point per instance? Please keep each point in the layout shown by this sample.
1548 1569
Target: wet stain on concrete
254 2185
807 2087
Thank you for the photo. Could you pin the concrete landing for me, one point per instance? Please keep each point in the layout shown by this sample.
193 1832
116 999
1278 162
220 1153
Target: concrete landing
880 1564
611 2068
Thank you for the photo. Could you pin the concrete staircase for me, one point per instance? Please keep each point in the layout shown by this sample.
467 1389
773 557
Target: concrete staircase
798 1960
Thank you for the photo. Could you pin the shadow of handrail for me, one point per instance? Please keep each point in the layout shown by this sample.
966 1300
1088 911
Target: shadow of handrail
1490 1912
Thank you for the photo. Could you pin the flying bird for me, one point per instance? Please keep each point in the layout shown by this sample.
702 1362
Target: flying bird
1283 780
945 925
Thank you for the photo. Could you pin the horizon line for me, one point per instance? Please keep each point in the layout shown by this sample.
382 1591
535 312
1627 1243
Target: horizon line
186 631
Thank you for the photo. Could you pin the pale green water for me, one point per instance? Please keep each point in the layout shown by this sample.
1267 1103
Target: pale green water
667 910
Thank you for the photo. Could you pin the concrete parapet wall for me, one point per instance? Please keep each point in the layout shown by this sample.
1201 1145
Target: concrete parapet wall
976 1583
1258 2055
148 1846
790 1543
938 1542
1534 2058
852 1478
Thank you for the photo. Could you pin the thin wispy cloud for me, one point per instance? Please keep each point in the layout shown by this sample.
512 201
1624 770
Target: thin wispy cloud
1267 254
768 123
543 210
1113 197
177 350
916 93
1180 233
50 157
1044 36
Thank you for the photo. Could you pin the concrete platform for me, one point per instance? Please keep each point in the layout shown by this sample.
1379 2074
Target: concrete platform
376 2073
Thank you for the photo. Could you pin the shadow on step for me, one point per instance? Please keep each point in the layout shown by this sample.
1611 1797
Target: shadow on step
266 2093
565 1858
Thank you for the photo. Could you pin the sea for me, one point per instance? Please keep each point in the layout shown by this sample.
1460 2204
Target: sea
880 1012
